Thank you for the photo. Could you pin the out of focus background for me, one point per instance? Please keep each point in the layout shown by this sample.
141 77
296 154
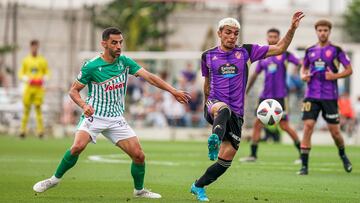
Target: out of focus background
167 38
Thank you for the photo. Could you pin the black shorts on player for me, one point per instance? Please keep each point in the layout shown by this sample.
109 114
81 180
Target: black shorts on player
233 127
329 110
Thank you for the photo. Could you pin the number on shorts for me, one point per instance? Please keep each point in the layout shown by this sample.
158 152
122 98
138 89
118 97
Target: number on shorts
306 106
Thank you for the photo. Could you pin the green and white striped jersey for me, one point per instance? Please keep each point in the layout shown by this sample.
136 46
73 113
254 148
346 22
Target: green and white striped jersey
107 84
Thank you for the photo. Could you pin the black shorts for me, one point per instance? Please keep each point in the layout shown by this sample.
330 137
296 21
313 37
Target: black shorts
312 107
283 103
233 126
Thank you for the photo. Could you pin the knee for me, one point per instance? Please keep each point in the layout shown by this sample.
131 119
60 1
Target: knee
308 126
335 133
284 125
138 156
77 148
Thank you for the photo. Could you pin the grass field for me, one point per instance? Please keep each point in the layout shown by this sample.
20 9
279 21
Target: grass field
171 168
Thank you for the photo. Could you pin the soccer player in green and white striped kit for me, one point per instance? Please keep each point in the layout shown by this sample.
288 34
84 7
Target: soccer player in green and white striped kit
106 76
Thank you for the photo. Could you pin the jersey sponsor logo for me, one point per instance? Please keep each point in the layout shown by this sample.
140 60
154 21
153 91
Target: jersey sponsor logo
272 68
114 87
34 70
319 65
228 70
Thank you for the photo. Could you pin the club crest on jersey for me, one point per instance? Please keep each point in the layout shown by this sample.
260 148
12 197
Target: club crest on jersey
328 53
228 70
238 55
279 57
112 87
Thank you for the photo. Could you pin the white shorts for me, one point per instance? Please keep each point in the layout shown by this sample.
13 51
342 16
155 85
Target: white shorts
113 128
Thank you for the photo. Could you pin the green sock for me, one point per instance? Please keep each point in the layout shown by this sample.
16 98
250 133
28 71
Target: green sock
138 174
66 163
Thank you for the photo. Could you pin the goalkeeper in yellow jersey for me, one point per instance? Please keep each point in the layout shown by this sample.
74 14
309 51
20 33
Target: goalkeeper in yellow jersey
33 73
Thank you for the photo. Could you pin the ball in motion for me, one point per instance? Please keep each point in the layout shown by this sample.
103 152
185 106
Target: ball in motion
269 112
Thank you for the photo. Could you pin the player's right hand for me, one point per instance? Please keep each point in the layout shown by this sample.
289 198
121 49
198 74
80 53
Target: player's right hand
306 77
182 96
296 19
88 110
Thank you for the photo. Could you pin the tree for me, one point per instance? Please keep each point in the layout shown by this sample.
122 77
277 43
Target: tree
352 20
144 23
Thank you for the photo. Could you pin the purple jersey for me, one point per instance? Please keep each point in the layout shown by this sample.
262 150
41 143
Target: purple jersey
275 74
228 73
318 60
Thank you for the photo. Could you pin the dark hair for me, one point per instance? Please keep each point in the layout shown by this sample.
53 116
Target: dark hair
277 31
110 31
34 42
323 22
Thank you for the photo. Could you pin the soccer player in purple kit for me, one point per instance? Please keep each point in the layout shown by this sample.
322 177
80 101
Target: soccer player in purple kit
225 69
321 71
274 88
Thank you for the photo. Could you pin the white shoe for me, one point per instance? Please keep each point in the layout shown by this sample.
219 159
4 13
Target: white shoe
248 159
297 161
44 185
146 194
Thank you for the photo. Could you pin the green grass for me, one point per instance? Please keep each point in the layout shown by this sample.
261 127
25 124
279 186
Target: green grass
171 168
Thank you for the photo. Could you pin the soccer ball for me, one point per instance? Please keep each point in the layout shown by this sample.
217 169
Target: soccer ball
269 112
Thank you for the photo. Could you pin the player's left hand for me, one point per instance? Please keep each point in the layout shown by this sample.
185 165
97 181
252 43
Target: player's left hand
329 75
182 96
296 19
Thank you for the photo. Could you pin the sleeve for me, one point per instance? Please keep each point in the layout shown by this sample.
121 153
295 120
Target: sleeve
84 76
306 59
258 68
258 52
204 67
133 66
293 59
343 58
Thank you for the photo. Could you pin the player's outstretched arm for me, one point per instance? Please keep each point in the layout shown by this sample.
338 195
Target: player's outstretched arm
75 96
284 43
181 96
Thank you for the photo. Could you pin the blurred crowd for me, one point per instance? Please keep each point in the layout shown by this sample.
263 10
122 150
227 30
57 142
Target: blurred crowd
150 106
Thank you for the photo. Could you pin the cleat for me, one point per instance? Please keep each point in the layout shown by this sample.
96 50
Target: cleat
213 146
22 135
145 193
297 161
199 192
44 185
248 159
41 135
303 171
347 164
